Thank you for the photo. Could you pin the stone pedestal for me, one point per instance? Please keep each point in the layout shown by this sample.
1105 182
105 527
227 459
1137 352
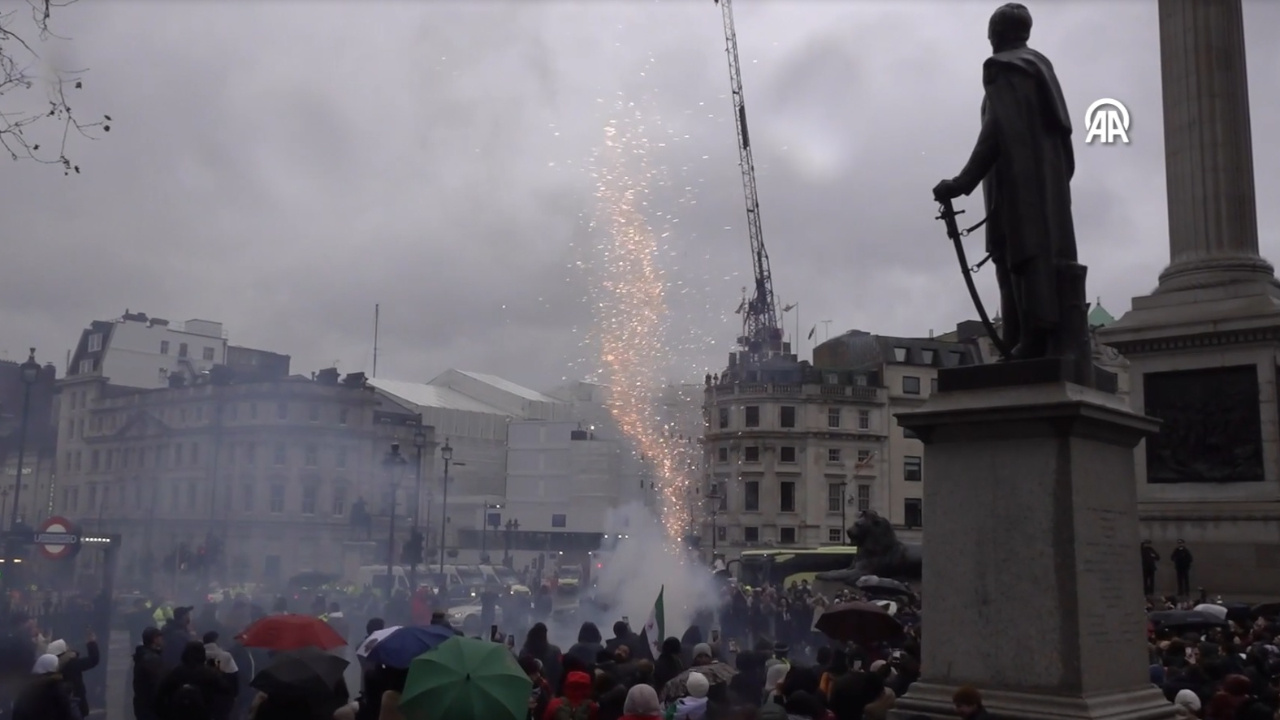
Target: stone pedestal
1203 347
1032 586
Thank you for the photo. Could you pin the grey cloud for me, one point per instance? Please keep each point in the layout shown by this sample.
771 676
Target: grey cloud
284 166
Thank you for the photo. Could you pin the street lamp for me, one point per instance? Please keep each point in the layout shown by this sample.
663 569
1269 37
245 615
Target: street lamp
714 497
484 530
446 454
394 462
512 526
844 503
419 444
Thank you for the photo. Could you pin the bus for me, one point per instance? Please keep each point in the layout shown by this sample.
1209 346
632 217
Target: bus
783 566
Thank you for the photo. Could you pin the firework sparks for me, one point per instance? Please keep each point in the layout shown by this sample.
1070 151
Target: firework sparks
631 313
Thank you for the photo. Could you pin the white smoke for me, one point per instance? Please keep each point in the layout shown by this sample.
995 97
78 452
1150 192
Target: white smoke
640 564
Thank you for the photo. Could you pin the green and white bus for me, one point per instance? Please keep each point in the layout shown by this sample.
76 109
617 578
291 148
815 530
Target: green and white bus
782 566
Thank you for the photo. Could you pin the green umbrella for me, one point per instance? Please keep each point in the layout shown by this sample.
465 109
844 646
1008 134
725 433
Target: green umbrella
466 679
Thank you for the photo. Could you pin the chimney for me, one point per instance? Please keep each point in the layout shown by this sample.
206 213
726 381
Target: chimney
327 376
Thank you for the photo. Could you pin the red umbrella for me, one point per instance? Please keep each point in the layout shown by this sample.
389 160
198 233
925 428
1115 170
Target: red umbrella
290 632
859 622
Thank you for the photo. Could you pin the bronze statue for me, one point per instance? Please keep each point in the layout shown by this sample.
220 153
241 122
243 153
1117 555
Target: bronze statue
880 553
1024 161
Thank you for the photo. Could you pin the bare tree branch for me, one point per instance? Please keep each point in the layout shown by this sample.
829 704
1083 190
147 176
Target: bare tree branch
18 111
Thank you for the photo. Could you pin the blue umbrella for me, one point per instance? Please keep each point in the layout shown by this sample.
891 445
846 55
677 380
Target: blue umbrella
399 648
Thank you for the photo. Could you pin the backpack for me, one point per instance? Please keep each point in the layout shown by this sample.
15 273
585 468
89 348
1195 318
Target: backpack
188 702
565 711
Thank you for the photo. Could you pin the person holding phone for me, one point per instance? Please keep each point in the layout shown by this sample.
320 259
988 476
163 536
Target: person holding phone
540 695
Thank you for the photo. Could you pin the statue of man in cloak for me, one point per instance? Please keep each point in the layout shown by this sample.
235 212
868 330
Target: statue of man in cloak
1024 160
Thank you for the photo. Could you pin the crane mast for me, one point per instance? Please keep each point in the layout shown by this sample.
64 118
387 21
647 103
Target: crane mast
761 334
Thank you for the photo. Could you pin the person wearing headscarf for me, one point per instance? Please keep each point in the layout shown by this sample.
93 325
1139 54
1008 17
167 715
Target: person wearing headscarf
1186 705
641 704
47 696
773 682
668 663
589 645
539 648
694 705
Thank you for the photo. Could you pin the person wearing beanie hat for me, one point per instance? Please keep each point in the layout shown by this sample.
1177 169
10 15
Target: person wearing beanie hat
47 696
702 655
694 705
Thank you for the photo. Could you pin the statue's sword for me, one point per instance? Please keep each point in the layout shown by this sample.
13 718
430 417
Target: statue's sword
947 214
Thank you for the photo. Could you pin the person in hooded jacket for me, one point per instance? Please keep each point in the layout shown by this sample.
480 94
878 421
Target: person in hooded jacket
611 696
538 647
589 645
48 696
148 671
668 663
577 694
641 704
177 633
72 667
195 671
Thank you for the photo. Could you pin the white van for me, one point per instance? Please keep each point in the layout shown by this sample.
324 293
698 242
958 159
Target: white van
376 576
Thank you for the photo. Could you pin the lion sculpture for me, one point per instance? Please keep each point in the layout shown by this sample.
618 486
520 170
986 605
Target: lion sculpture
880 553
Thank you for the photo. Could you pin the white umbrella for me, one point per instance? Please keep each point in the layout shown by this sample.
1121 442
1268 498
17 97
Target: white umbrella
373 640
1215 610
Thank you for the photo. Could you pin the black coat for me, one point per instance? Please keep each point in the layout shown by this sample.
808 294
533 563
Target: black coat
73 667
213 686
47 697
665 668
148 671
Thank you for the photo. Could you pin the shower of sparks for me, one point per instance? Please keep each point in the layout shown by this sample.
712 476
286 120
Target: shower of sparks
631 316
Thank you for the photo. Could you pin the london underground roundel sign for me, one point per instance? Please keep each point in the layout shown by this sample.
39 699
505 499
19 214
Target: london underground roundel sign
57 538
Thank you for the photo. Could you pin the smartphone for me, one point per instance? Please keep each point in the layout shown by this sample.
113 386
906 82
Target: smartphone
626 620
493 633
715 636
511 641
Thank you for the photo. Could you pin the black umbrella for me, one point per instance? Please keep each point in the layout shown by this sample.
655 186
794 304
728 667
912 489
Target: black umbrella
1185 620
859 622
883 587
1266 610
306 672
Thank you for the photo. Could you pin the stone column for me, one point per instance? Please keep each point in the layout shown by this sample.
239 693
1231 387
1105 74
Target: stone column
1213 219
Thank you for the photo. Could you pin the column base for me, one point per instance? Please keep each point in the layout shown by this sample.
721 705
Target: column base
926 700
1202 273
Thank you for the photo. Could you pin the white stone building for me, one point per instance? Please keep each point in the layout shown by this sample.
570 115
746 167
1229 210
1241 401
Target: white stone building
136 351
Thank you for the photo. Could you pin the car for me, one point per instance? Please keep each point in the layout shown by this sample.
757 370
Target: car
467 618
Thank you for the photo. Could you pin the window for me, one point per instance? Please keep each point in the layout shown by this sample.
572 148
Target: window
753 416
559 520
233 411
751 496
913 512
86 366
95 342
933 386
724 418
231 454
751 453
177 454
786 454
342 416
247 498
834 535
282 411
722 533
280 455
182 349
195 453
751 534
787 419
339 501
174 492
912 468
864 456
251 454
831 378
787 496
835 497
722 454
93 496
311 456
860 380
864 498
341 461
787 536
313 413
833 455
164 347
94 460
718 489
833 417
124 458
926 356
207 354
910 385
900 354
137 494
309 494
864 419
277 499
191 497
253 411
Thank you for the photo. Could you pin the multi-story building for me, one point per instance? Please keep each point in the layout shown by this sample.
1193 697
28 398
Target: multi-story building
906 371
137 351
37 472
271 477
787 446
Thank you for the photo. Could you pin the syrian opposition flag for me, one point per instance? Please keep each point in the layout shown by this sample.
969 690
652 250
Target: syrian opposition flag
655 629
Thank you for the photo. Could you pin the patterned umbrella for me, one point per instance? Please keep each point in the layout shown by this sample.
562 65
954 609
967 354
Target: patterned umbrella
716 673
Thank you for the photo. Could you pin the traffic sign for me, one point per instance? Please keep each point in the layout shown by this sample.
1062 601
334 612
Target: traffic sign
57 538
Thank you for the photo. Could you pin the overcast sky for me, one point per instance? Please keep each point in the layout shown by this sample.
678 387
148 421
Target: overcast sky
282 167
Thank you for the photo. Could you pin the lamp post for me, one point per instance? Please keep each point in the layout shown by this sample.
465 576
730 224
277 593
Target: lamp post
446 454
394 462
844 503
30 374
419 444
714 498
512 526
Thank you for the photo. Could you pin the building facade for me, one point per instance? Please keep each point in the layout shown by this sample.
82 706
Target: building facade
138 351
249 482
38 471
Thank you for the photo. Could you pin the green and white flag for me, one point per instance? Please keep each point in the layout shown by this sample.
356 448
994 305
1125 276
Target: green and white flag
655 630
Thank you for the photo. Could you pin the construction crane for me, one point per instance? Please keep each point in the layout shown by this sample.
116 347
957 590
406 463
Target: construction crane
761 334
